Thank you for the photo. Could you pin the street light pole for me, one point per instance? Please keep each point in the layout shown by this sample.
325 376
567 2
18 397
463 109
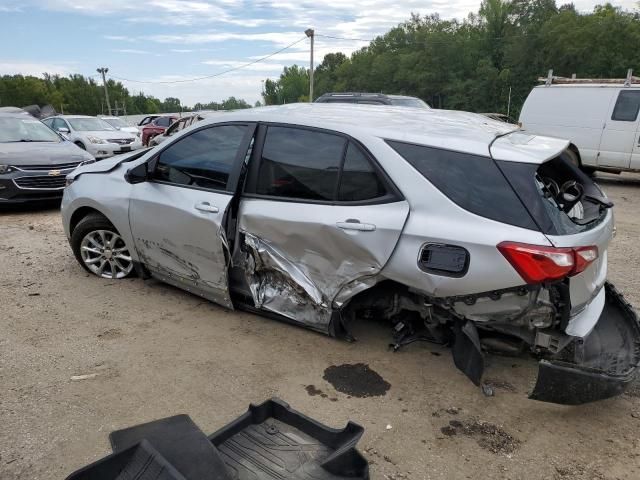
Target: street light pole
309 32
103 71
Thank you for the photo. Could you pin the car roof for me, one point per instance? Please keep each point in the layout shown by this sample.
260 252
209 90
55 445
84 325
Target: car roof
590 85
72 116
448 129
19 115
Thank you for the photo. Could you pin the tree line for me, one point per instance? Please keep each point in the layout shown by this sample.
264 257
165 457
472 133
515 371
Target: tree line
487 62
77 94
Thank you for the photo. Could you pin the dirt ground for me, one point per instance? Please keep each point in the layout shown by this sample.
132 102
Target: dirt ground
157 351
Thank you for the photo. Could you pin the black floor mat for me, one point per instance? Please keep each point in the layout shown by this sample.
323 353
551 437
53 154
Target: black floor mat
140 462
180 441
269 442
272 441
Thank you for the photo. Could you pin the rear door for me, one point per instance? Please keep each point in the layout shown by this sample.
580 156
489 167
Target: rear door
176 218
619 141
322 217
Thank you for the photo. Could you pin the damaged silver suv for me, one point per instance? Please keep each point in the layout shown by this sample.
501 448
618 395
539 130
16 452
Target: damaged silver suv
453 228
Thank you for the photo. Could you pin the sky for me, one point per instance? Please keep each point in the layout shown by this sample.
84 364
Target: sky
171 40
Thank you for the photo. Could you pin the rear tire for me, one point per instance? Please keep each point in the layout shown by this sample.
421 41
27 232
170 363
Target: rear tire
100 249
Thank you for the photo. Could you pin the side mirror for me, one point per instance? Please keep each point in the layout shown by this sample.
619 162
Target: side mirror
137 174
63 130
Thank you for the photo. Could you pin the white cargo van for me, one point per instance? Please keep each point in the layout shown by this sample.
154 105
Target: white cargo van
600 119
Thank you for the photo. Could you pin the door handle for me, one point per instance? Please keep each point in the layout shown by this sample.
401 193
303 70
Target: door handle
353 224
206 207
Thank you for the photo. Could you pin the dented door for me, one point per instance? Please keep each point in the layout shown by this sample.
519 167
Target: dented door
317 222
178 236
177 216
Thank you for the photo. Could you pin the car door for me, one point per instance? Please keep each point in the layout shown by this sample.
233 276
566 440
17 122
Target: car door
177 216
618 141
319 219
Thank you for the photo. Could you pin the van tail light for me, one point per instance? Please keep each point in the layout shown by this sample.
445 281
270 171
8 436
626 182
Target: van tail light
539 264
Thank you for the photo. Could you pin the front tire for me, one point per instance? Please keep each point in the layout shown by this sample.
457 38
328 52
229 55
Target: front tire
100 249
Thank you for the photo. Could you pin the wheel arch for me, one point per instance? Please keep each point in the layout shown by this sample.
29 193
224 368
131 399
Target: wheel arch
81 213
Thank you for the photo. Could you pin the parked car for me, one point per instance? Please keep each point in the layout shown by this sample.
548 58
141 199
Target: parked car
146 120
175 127
372 99
450 226
157 126
600 119
93 135
34 160
119 124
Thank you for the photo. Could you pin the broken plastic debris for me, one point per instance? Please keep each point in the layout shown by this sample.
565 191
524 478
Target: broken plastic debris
389 427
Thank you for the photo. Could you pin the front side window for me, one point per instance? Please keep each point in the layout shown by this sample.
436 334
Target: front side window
203 159
627 106
59 123
299 163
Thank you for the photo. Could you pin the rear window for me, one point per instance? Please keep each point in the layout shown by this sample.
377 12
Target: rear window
561 198
473 182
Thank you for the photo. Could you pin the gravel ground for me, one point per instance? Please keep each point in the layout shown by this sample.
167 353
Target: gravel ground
157 351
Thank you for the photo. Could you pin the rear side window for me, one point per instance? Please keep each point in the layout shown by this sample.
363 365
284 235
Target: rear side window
203 159
359 180
627 106
473 182
299 163
163 122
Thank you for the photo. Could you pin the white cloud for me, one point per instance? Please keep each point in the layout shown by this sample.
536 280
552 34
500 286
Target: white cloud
277 38
34 69
132 51
237 84
259 67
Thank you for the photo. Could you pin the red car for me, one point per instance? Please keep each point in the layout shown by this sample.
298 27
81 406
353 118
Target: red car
156 127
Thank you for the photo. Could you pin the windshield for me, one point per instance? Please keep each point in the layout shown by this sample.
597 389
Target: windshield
25 130
89 124
116 122
409 102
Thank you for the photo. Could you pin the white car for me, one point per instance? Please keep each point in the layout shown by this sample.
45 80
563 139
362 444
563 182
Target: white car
94 135
600 119
119 124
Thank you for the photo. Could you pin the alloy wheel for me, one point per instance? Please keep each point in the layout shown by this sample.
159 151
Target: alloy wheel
105 254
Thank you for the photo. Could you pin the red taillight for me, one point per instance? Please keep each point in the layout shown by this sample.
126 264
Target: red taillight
538 264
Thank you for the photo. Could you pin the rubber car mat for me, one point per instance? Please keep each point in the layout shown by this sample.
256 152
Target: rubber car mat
271 441
139 462
180 442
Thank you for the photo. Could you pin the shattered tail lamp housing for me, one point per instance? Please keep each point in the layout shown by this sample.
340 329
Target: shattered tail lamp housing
539 264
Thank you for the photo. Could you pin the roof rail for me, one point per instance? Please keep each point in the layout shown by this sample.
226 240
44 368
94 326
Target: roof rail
550 79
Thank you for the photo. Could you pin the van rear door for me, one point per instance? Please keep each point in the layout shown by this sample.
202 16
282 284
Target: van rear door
618 139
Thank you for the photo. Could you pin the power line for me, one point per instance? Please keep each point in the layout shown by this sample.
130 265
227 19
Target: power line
215 74
344 38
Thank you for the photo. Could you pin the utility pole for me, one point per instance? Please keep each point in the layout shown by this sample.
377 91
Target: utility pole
309 32
104 71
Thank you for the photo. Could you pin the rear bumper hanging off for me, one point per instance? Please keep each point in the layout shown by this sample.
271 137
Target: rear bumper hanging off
604 363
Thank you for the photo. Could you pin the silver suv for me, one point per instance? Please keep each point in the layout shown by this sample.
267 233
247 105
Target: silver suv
452 227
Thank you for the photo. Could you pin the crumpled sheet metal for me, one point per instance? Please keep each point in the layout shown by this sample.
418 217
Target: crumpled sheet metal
280 286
